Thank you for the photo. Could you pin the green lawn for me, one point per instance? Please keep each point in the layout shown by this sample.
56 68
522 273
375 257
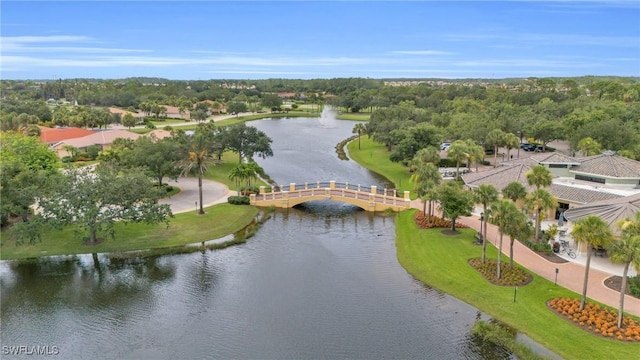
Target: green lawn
185 228
375 157
354 116
441 261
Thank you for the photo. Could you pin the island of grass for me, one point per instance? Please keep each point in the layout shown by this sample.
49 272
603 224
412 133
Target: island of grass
442 261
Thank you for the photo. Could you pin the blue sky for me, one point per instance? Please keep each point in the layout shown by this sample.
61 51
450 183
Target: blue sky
306 40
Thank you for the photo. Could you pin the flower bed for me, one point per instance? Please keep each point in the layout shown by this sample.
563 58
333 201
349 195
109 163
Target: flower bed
423 222
600 320
509 276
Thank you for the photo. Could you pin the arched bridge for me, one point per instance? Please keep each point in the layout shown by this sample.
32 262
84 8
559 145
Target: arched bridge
367 198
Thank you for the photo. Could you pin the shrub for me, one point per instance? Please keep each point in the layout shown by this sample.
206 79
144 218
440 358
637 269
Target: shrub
508 276
601 320
168 188
423 222
634 285
93 151
238 200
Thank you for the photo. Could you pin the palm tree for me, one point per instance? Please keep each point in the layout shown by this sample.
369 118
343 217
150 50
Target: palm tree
253 169
540 200
428 154
238 174
626 251
501 215
589 146
495 137
359 129
594 232
424 179
200 151
514 191
475 153
511 141
485 194
457 152
518 228
539 176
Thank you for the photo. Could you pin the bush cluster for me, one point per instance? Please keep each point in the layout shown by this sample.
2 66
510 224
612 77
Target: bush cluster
598 319
238 200
342 155
423 222
509 276
541 247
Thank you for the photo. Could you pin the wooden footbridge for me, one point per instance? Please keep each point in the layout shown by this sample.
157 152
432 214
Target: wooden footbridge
367 198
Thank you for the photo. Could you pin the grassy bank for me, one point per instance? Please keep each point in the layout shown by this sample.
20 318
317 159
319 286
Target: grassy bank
375 157
441 261
185 228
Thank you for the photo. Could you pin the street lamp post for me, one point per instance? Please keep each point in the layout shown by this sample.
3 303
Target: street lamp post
520 135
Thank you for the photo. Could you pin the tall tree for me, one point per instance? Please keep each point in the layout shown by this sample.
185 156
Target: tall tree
517 228
589 147
458 152
424 179
159 158
86 200
485 194
540 200
514 191
247 141
593 232
626 250
501 214
201 147
511 141
495 138
359 129
129 120
454 201
539 176
475 153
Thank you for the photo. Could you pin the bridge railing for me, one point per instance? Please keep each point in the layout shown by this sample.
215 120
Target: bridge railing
328 184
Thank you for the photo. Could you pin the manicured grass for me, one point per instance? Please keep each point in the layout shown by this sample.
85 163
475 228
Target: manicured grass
185 228
162 123
354 116
220 172
375 157
441 261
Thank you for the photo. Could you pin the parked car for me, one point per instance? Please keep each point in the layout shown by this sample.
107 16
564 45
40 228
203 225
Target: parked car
528 147
445 146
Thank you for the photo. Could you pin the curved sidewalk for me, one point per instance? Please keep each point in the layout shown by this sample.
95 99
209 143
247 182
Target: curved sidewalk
186 200
570 274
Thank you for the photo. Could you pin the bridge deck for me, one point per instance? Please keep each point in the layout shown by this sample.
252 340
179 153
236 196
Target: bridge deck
367 198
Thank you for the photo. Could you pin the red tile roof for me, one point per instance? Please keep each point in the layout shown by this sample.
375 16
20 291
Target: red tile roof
53 135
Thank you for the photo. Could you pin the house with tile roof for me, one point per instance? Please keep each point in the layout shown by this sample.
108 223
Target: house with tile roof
102 139
51 136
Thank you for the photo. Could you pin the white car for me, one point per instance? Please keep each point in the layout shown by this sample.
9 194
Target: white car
445 146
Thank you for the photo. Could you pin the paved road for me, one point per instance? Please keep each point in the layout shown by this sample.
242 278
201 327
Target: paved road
212 193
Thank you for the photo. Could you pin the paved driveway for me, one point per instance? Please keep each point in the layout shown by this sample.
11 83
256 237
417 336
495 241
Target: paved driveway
212 193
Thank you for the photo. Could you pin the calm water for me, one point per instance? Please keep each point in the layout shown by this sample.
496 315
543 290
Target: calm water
316 282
